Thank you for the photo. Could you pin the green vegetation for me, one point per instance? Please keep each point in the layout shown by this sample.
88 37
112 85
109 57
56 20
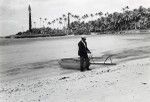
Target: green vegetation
136 19
128 20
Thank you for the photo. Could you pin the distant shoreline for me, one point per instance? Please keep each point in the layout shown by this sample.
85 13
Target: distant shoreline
92 33
10 41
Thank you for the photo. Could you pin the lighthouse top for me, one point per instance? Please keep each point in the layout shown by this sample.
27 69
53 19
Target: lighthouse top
29 8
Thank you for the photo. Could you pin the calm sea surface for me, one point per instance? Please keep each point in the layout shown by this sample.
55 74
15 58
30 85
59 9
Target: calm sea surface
19 53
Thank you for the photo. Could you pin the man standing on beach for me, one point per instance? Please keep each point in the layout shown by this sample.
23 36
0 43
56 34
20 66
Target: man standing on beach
83 53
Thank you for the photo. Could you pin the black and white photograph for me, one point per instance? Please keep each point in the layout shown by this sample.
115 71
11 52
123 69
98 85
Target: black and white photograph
74 50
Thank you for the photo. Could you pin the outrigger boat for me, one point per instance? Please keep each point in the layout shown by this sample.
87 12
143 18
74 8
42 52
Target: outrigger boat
74 63
70 63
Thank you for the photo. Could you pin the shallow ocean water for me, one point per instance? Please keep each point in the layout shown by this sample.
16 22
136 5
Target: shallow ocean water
13 55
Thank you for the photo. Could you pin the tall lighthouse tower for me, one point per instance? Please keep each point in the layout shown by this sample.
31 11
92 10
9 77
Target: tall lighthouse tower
30 21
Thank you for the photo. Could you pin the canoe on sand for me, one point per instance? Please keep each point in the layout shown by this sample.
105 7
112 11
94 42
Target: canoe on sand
74 63
70 63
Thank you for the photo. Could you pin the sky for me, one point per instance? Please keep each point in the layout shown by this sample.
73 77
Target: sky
14 13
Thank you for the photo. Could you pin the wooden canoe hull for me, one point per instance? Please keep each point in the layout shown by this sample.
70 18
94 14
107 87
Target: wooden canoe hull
74 63
70 63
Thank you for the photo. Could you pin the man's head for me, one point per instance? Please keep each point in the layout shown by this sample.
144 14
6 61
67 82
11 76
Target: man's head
83 37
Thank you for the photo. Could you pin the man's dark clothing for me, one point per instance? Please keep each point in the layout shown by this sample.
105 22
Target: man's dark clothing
84 63
82 52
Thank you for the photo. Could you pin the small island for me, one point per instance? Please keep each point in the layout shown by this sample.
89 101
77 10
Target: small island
127 21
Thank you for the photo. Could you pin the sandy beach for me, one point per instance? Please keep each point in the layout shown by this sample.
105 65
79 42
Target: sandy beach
46 81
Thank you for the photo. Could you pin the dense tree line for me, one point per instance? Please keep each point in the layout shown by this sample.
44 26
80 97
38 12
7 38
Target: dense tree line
109 22
127 20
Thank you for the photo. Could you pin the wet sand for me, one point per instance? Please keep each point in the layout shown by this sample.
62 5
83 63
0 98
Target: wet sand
128 81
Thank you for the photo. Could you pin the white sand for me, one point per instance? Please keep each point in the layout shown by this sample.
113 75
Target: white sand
45 81
127 82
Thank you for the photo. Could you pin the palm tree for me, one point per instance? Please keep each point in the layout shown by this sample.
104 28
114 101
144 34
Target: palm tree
100 13
45 21
40 21
34 24
76 16
69 21
91 15
60 22
64 15
64 21
57 19
43 24
49 23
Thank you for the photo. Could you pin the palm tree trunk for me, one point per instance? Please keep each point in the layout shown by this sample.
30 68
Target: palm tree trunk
68 24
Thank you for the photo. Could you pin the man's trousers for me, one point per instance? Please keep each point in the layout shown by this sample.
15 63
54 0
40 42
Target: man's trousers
84 63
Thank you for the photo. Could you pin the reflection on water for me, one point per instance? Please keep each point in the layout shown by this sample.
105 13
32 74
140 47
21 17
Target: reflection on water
46 50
